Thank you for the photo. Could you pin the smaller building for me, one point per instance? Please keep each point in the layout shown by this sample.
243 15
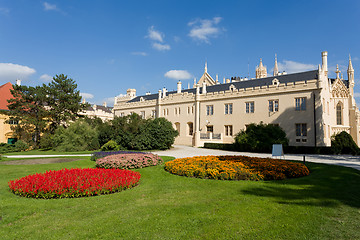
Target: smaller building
103 112
6 134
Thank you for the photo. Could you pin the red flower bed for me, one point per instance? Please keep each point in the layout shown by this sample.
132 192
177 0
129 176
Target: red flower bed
74 182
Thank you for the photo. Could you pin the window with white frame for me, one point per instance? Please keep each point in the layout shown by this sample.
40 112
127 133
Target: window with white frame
228 130
250 107
142 114
273 105
210 110
300 104
301 132
228 108
153 113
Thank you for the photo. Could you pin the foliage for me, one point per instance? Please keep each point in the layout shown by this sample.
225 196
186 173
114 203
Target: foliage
63 100
38 108
236 168
28 108
21 145
79 136
343 143
97 155
260 138
109 146
7 148
74 182
129 161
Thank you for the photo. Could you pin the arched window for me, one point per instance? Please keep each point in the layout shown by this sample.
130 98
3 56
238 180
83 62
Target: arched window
339 114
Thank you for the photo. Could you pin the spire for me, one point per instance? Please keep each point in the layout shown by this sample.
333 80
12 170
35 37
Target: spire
350 68
337 72
206 66
261 71
276 69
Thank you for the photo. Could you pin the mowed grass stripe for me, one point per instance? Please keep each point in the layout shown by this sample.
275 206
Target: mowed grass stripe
324 205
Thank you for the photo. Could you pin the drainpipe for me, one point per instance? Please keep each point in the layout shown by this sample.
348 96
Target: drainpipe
315 137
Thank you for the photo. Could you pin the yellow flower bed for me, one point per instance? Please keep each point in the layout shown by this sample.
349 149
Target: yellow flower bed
236 168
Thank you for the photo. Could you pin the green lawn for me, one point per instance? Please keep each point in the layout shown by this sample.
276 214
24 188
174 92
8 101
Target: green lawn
47 152
324 205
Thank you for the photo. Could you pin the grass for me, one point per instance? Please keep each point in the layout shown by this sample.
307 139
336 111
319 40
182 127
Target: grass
324 205
46 152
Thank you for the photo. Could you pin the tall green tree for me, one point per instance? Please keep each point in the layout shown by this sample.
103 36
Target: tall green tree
64 100
28 109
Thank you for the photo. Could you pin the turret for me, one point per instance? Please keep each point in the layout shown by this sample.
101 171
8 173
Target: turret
261 71
350 72
337 72
276 69
324 62
179 87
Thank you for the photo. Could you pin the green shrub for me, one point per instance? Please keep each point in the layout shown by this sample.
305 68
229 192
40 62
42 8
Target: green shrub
21 145
7 148
78 136
110 146
342 143
260 138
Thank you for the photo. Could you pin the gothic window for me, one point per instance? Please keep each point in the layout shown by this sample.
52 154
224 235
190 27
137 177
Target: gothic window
339 114
301 132
250 107
210 110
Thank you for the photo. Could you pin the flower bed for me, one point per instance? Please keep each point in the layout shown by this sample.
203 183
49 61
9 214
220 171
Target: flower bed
76 182
101 154
236 168
129 161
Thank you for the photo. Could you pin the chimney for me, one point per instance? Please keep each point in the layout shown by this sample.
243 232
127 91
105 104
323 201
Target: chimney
204 88
179 87
164 92
324 61
18 82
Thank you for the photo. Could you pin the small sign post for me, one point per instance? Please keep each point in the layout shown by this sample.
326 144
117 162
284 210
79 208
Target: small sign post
277 150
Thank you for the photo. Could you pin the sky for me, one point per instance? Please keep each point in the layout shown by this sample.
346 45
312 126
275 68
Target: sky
110 46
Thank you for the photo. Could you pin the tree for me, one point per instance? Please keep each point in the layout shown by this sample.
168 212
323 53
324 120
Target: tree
64 101
28 109
343 143
260 138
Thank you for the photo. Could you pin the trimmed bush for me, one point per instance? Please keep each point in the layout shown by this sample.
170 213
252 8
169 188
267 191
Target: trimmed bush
110 146
76 182
260 138
236 168
128 161
342 143
21 145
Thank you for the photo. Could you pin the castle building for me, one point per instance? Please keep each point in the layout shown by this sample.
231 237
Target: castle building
6 134
309 106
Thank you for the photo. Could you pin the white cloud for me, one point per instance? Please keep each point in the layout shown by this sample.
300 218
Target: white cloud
46 78
203 29
4 11
11 72
109 101
293 67
178 74
155 35
49 6
355 59
161 47
139 53
357 94
86 95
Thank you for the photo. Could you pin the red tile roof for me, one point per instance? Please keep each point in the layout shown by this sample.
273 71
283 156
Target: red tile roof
5 94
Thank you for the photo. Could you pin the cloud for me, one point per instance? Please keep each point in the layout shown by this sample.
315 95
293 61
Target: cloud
203 29
49 7
355 59
357 94
46 78
10 72
139 53
4 11
178 74
86 95
155 35
161 47
109 101
293 67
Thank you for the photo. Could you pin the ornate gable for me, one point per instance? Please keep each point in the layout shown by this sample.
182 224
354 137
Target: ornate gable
339 89
207 79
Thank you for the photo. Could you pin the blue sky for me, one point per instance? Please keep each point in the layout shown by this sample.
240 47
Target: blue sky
110 46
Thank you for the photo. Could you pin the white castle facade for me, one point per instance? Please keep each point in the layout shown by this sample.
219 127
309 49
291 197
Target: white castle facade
309 106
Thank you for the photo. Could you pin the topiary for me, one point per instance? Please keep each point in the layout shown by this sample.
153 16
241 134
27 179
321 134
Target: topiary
343 143
110 146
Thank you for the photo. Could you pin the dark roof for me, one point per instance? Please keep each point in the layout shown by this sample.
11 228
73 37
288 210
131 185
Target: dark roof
346 82
105 109
287 78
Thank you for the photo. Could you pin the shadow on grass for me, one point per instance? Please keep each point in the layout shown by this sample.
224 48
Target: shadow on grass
326 186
